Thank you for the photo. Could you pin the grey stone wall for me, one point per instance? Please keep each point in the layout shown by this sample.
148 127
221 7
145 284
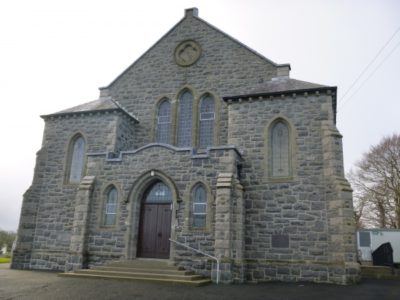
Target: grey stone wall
184 170
224 68
297 228
296 207
50 201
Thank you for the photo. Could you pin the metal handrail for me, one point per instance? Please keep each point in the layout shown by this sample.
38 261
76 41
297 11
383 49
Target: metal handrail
201 252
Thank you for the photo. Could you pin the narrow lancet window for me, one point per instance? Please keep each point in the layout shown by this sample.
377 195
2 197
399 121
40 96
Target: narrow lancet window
164 122
280 150
185 108
206 119
110 208
199 210
77 160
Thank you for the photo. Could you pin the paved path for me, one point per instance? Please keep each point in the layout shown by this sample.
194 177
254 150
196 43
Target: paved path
15 284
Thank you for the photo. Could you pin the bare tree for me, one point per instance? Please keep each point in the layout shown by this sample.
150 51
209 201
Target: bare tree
376 184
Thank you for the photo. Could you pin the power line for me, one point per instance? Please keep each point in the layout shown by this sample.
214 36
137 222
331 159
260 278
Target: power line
369 64
370 75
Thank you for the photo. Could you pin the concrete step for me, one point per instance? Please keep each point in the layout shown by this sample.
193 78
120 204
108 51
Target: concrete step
148 264
140 274
146 270
143 270
198 282
380 272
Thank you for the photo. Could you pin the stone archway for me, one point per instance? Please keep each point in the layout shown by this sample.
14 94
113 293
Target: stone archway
155 222
137 199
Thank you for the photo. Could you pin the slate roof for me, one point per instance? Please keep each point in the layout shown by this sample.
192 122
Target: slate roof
99 105
285 85
280 85
96 105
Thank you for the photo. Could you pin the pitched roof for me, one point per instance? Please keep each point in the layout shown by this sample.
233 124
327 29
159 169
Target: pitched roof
99 105
285 85
96 105
278 85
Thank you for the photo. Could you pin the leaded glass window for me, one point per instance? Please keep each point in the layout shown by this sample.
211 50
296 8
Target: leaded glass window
164 122
206 128
280 159
77 160
199 210
159 193
185 108
110 208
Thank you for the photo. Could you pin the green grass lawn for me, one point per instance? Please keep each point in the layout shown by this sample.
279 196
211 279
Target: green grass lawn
5 260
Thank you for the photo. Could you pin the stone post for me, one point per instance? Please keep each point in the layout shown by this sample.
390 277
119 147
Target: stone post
78 247
229 229
223 227
341 224
238 247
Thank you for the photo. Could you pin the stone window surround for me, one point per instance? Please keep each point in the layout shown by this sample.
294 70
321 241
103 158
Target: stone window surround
184 119
158 123
199 204
107 202
268 151
204 117
100 214
69 149
188 202
195 115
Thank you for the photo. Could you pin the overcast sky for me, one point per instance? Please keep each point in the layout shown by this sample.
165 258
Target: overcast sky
55 55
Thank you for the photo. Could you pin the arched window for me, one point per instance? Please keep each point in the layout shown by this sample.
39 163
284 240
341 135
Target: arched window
199 209
77 160
164 122
280 150
110 207
158 193
206 119
185 108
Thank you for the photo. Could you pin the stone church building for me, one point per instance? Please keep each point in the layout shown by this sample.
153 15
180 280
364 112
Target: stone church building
201 141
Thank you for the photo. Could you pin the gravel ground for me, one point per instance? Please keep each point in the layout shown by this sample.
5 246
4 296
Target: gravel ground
15 284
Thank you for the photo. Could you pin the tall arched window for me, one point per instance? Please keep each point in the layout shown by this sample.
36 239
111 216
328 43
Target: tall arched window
77 160
199 209
164 122
206 120
185 108
280 150
110 207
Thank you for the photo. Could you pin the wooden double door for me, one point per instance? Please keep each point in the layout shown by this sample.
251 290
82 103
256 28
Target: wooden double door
155 227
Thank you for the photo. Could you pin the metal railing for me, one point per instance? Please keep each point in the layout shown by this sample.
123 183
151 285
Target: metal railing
201 252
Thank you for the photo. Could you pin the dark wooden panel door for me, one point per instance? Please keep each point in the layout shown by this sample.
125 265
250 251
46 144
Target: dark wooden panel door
154 230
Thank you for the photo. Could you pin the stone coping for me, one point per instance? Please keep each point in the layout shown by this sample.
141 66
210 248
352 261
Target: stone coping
193 151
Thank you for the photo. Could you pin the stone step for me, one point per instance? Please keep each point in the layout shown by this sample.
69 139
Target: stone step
148 264
138 269
198 282
179 271
380 272
140 274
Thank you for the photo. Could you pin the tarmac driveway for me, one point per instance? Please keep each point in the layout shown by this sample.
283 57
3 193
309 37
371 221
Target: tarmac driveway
15 284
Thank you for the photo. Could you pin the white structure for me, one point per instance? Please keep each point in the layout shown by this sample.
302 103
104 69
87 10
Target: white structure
368 240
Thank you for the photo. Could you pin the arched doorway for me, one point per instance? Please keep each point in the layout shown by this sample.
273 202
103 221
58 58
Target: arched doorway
155 222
